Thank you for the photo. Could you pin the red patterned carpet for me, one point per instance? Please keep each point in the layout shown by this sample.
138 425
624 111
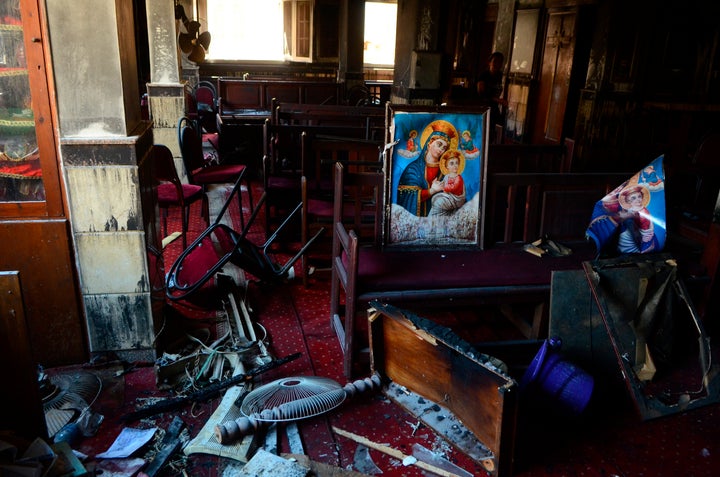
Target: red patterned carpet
608 441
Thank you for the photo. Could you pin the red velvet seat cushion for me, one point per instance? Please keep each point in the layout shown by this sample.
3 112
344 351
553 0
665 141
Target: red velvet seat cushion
167 193
325 209
283 182
217 174
193 270
425 270
320 208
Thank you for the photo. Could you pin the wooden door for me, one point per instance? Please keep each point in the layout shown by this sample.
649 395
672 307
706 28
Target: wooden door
34 227
554 84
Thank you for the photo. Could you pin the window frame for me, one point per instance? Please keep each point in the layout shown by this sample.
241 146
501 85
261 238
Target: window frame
301 32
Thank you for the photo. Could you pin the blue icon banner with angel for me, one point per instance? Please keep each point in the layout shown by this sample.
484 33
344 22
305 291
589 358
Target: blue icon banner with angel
631 218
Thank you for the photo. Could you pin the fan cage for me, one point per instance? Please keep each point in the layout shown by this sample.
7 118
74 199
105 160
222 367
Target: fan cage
293 398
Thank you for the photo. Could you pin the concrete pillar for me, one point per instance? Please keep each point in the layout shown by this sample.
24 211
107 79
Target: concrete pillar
104 150
166 92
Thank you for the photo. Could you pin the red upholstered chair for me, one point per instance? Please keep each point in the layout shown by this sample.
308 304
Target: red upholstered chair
203 173
206 103
171 192
281 171
192 279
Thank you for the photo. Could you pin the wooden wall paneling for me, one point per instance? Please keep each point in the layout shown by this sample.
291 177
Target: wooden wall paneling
22 410
40 251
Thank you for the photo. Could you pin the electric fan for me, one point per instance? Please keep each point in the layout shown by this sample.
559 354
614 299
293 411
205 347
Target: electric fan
66 396
290 399
191 41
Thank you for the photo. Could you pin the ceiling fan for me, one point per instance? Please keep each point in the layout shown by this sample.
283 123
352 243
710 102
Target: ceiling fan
192 42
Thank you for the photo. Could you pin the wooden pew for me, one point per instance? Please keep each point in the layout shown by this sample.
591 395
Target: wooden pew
504 274
286 148
240 98
363 188
369 118
531 157
526 206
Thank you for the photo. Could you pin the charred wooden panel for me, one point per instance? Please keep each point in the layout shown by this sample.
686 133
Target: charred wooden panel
435 363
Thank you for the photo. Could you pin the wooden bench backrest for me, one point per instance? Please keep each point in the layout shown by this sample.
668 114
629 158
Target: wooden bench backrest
284 146
526 206
281 148
321 152
364 189
523 207
369 118
531 157
238 94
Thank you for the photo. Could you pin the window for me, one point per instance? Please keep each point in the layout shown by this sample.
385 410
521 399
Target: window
245 30
260 30
379 47
297 34
278 30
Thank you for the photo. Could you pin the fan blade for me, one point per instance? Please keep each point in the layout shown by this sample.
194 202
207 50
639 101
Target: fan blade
197 55
204 40
186 42
193 27
180 13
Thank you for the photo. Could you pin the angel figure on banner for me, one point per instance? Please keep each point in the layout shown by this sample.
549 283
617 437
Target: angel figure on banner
633 213
411 150
467 146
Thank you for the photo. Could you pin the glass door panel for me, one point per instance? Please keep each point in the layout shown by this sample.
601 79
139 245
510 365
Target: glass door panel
20 169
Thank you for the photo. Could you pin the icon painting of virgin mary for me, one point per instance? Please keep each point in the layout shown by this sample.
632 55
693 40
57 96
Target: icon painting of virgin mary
435 190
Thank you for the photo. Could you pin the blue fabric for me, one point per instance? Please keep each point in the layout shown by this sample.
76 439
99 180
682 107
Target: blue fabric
632 216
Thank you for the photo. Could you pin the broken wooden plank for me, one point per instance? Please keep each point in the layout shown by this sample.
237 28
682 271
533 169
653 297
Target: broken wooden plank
393 453
168 446
432 361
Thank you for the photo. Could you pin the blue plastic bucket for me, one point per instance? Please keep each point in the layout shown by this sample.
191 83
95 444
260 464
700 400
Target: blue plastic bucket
563 382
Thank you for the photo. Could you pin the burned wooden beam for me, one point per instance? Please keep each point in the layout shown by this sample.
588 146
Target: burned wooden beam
207 392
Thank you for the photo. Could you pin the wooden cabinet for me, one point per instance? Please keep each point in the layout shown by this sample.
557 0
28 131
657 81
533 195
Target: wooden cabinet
34 228
29 182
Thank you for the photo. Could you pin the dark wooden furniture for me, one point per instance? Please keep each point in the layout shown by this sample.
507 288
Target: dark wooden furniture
34 225
205 173
359 205
526 206
504 274
531 157
431 361
245 99
285 149
22 412
368 119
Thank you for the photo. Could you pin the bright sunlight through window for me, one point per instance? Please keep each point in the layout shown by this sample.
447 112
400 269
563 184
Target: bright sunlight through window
253 30
245 30
380 33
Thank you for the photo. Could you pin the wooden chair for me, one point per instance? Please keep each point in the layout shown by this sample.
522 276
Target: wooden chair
281 171
171 192
206 101
204 173
359 202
